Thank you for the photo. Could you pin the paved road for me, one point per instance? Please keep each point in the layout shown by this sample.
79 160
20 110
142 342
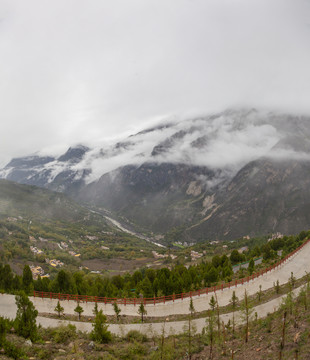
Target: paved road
8 309
299 264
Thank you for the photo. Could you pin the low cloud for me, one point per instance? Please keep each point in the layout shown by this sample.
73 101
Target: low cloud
224 143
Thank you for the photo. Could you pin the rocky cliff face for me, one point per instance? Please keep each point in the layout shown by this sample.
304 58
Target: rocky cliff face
217 177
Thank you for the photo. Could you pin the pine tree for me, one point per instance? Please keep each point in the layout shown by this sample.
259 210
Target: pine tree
79 310
259 293
247 311
283 335
251 266
59 309
191 307
288 302
100 331
212 303
277 287
117 311
292 280
25 317
218 317
191 310
210 331
27 279
234 299
142 311
303 297
95 311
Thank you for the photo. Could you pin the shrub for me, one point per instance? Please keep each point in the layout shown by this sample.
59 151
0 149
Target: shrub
13 351
135 350
135 335
64 333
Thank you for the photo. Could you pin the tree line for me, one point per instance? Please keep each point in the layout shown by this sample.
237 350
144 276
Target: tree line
147 282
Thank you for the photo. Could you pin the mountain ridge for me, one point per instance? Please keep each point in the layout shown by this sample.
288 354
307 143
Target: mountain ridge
210 176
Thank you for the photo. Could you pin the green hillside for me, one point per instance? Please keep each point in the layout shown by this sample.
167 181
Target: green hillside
38 224
34 202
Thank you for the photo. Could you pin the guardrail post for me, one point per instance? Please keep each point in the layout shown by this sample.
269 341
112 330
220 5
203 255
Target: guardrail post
134 301
173 297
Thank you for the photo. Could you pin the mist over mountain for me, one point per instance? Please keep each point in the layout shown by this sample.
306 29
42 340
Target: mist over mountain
235 173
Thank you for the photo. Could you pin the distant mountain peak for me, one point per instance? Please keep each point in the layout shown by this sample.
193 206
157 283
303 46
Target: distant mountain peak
74 154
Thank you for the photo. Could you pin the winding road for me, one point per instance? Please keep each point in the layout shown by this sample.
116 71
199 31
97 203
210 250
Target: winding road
298 264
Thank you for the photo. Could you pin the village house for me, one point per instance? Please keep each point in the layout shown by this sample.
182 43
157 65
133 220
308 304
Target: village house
54 262
36 271
275 236
244 248
35 250
195 255
64 245
89 237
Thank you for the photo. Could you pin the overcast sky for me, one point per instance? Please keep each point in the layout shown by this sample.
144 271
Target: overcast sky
74 71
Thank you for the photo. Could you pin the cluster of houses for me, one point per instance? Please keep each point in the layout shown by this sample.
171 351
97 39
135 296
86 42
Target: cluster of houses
185 243
214 242
162 256
73 253
36 271
89 237
195 255
35 250
11 219
277 235
63 246
54 262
